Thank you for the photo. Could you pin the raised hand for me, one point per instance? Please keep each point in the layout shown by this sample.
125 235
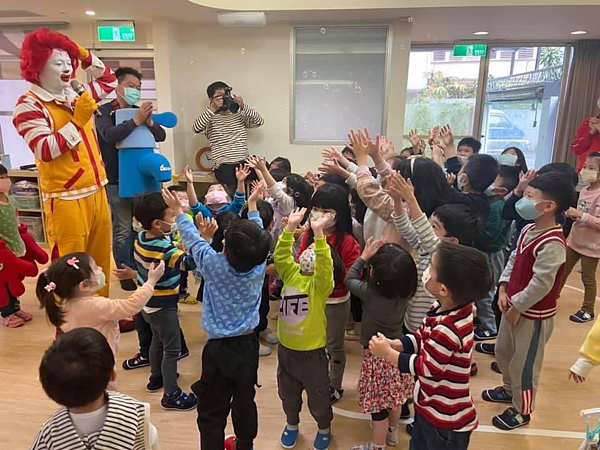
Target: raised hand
419 149
172 201
414 138
242 172
332 154
295 218
524 180
371 247
312 179
434 134
360 143
319 224
257 163
187 174
387 148
447 136
156 272
332 166
207 227
258 188
402 187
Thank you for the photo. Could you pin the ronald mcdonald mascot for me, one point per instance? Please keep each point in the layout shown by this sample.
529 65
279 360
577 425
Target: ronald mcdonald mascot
58 127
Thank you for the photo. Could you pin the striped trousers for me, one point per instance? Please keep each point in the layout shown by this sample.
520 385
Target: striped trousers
520 354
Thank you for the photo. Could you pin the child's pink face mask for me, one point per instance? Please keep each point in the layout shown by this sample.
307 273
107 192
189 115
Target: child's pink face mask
216 198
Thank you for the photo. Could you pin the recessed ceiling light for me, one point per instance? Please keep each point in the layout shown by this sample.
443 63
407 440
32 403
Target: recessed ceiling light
89 12
579 32
481 33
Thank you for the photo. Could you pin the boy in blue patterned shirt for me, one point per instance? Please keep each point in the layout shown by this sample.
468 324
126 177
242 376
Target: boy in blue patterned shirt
154 244
232 297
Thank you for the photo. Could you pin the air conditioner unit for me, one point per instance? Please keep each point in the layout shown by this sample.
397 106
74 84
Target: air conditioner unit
243 19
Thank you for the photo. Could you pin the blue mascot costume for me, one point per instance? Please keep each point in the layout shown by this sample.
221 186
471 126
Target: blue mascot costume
140 168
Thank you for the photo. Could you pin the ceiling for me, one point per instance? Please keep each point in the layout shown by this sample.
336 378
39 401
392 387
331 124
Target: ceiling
515 23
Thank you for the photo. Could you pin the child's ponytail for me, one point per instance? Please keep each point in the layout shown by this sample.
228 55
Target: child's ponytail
46 294
58 283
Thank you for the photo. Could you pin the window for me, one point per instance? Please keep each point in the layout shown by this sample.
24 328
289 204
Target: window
145 66
441 90
521 102
12 86
339 82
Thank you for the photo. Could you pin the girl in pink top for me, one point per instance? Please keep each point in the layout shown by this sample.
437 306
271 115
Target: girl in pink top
584 240
66 292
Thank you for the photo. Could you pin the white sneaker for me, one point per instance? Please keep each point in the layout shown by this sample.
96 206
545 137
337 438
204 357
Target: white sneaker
392 437
263 350
269 337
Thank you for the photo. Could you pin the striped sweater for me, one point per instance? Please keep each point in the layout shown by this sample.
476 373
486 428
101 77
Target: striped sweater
149 250
227 133
126 427
422 239
439 355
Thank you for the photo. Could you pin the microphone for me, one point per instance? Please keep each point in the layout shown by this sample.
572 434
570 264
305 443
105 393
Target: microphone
79 90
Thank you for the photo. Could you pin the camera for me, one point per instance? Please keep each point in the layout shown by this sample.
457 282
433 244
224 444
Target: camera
229 104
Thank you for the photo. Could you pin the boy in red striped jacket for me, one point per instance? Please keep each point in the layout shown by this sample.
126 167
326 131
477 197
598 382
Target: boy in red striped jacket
439 353
528 294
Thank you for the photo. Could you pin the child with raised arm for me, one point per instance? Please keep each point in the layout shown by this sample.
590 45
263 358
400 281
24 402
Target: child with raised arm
439 353
232 297
303 363
216 199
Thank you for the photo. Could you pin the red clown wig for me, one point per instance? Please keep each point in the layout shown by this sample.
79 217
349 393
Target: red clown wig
37 48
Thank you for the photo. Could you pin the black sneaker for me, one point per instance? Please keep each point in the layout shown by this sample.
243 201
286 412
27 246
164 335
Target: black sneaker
474 369
136 362
484 335
185 352
581 317
155 384
179 401
510 419
495 367
498 395
486 349
335 394
409 428
405 412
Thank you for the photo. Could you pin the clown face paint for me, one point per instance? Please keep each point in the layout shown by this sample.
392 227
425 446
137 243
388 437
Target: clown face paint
57 72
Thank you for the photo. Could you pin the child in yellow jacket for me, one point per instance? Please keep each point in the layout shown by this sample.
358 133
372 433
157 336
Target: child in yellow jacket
303 363
589 355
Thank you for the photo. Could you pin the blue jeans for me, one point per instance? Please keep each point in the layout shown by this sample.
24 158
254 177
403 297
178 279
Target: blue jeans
485 312
425 436
123 235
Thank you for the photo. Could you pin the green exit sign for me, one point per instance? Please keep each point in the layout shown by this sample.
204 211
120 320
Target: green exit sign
116 33
470 50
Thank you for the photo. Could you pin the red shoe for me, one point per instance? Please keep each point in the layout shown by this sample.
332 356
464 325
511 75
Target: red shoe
230 443
24 315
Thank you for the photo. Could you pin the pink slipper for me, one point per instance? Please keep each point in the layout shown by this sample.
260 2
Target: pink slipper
12 321
23 315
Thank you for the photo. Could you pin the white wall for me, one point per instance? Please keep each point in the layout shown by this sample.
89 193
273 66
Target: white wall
256 62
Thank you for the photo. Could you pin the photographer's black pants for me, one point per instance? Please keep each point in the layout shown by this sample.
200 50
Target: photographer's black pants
225 174
229 375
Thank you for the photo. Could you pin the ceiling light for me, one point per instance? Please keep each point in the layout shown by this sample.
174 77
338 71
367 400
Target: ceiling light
89 12
579 32
481 33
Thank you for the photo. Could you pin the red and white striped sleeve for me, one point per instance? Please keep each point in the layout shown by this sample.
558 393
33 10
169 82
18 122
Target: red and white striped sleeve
104 80
33 124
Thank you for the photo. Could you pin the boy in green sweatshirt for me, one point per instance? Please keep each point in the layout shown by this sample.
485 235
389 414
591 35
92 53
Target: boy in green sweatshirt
303 363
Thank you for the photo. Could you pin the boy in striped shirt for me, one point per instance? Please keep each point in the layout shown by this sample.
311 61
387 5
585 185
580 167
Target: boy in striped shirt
154 244
439 353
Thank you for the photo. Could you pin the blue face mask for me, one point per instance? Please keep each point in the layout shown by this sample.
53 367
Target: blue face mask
507 160
526 208
131 96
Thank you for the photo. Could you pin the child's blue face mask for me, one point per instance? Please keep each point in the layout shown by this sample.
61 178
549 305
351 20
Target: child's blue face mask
526 208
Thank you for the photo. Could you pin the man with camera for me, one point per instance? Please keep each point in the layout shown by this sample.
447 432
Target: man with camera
225 122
